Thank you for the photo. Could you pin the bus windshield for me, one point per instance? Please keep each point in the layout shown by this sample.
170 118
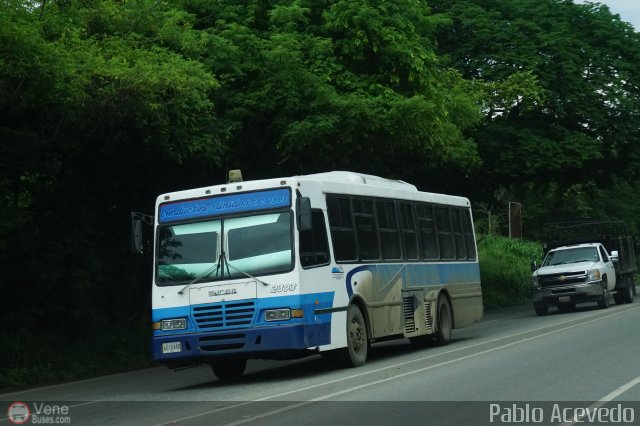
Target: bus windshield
223 249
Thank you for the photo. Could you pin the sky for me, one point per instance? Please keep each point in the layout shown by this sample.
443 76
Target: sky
629 10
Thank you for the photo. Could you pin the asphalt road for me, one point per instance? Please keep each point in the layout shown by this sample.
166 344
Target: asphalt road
510 366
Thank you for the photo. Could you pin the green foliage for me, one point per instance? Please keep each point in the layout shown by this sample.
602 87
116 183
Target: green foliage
505 269
309 85
104 104
95 114
34 358
571 121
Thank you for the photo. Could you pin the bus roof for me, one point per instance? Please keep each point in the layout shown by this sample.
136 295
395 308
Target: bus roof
330 182
359 178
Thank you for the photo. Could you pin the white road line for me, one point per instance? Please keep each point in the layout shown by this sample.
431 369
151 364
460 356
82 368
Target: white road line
622 389
402 364
3 396
602 401
397 376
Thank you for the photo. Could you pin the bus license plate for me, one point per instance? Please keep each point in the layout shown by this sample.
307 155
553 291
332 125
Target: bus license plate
171 347
560 299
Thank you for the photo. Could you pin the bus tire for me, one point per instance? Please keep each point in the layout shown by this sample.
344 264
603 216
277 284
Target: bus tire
355 354
444 321
229 369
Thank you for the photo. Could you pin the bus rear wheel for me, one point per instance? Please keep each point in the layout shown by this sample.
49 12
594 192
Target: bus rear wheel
229 369
444 321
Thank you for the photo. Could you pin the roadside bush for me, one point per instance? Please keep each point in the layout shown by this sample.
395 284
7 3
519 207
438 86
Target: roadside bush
28 359
505 269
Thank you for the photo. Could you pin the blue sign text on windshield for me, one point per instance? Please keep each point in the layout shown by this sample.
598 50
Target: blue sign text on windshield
225 204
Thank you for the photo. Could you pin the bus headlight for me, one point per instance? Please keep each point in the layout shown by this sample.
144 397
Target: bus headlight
174 324
277 315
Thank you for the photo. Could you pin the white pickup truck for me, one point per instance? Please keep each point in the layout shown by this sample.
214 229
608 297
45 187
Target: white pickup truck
574 274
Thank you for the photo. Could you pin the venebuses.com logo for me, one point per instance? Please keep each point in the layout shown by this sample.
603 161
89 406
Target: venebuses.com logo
18 413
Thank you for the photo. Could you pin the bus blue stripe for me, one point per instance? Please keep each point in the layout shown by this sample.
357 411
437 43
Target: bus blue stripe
421 274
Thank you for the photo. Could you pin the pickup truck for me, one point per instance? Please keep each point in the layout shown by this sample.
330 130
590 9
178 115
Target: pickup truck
581 268
574 274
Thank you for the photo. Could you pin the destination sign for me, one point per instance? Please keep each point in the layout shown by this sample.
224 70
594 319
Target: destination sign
225 204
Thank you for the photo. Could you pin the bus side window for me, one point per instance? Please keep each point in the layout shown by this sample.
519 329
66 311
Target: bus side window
445 236
342 229
409 233
458 234
427 229
366 232
314 245
467 228
388 229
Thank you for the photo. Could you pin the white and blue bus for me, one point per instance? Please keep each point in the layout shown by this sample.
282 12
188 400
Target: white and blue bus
324 263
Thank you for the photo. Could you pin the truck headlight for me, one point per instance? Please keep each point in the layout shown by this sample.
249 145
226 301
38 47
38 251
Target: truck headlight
174 324
594 275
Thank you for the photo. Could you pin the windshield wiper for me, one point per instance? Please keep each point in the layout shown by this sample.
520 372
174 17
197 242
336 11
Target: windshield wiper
243 272
205 274
222 262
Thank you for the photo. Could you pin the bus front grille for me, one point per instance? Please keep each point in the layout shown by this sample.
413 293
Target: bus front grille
225 315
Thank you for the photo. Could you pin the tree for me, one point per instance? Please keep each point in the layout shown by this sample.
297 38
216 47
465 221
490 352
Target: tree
96 107
311 85
583 131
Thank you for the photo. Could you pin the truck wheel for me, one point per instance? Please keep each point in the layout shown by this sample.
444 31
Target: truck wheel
628 290
229 369
619 297
603 303
541 309
445 321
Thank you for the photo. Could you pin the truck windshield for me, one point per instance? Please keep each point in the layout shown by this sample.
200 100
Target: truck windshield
574 255
254 245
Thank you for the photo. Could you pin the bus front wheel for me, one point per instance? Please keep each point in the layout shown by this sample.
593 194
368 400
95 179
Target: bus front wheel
355 354
229 369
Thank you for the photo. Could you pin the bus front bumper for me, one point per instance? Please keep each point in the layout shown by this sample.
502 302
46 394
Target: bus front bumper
260 342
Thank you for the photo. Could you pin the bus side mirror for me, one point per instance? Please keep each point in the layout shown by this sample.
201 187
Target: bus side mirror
137 238
303 208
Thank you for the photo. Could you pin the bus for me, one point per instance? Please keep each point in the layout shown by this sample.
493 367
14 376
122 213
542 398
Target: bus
323 263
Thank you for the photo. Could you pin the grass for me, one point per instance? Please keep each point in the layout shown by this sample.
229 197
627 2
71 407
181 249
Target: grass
505 270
